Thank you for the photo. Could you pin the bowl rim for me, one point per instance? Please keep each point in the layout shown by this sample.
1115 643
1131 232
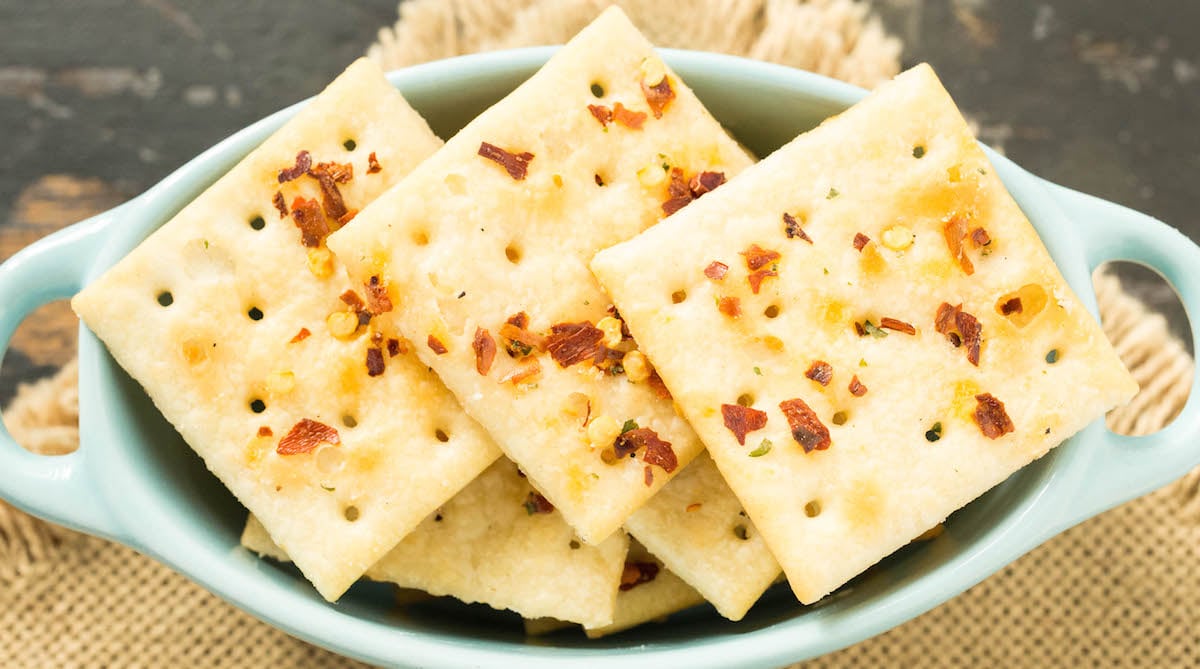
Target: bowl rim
150 530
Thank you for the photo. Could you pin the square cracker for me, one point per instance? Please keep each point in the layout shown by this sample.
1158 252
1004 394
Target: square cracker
227 362
902 169
698 529
467 242
493 543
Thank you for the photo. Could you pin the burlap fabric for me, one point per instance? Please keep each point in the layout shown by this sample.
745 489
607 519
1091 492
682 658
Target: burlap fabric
1122 589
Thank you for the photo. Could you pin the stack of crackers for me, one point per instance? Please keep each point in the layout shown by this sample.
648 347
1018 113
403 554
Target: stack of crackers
587 360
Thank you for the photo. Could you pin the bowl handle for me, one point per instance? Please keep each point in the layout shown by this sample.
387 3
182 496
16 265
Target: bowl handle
1121 467
55 488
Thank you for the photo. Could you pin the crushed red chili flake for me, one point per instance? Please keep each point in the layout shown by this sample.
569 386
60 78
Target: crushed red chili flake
303 162
519 320
308 217
637 573
373 166
897 325
265 431
658 96
485 350
807 428
757 257
300 336
352 300
375 364
856 387
527 371
705 182
516 164
716 270
860 240
971 331
627 117
657 451
1012 306
955 232
347 217
756 279
306 436
331 198
730 306
536 503
791 228
980 237
945 320
340 172
678 193
601 113
658 386
573 343
648 476
280 204
378 301
393 348
520 342
993 420
436 345
742 420
820 371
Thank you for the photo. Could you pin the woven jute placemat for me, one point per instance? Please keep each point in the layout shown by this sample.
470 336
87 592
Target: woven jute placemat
1122 589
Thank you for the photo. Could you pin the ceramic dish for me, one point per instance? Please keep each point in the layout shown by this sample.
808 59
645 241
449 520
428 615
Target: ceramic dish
134 481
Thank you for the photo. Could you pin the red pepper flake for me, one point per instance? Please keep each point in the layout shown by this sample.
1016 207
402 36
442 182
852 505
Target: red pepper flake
716 270
347 217
280 204
535 503
856 387
955 232
303 162
705 182
860 240
658 96
528 371
308 217
945 320
485 350
340 172
393 348
306 436
730 306
265 431
993 420
378 301
331 198
758 277
791 228
519 320
436 345
820 371
678 193
352 300
1012 306
637 573
601 113
657 451
375 364
648 476
897 325
373 166
971 332
980 237
742 420
516 164
807 429
757 257
300 336
627 117
657 385
693 507
573 343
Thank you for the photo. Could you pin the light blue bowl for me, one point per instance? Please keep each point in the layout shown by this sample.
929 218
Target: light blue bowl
134 481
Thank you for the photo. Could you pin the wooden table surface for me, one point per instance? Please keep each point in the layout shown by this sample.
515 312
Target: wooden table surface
101 99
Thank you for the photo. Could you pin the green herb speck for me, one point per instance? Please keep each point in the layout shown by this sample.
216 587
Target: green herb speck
833 192
630 424
763 449
758 371
862 362
934 433
870 329
327 488
1052 356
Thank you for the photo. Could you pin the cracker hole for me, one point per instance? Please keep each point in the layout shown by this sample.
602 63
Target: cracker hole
741 532
678 296
919 151
420 238
513 253
441 435
574 545
771 311
599 179
257 405
350 513
840 418
597 89
745 400
812 509
257 223
350 145
165 298
349 421
255 314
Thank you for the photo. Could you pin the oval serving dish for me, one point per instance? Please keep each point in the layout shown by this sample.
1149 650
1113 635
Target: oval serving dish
135 482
